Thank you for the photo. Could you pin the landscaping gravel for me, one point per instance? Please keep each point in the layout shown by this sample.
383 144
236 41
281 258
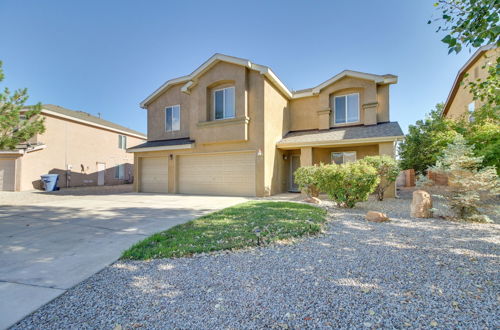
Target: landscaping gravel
417 273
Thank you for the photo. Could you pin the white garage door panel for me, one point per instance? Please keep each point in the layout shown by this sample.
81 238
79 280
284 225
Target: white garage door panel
218 174
154 175
7 174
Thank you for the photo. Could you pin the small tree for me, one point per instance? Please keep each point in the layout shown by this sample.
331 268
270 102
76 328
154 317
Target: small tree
470 187
349 183
306 178
13 128
387 170
425 141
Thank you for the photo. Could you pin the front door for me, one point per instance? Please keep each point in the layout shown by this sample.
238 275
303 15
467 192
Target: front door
294 165
101 170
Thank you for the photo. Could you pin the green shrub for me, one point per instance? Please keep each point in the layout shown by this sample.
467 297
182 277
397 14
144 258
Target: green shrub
387 169
306 178
349 183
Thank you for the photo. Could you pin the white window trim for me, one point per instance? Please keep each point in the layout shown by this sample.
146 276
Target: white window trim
343 156
117 172
224 102
173 106
122 142
335 112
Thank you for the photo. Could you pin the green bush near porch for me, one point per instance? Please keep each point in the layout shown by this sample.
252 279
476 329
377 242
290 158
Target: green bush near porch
244 225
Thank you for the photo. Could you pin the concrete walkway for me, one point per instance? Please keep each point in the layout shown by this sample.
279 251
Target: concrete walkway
48 247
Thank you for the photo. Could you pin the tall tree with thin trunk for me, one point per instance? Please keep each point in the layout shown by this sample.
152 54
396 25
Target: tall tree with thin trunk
17 126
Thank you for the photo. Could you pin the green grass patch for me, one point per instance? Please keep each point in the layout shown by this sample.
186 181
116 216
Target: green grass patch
248 224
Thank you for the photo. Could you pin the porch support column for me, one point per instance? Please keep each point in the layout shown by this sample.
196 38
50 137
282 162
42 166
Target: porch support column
306 156
387 148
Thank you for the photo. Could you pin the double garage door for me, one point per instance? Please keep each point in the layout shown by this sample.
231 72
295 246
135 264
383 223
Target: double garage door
231 174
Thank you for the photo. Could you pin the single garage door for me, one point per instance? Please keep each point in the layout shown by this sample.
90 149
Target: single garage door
231 174
7 174
154 174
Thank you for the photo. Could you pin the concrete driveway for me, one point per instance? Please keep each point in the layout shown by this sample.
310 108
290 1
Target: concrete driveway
47 247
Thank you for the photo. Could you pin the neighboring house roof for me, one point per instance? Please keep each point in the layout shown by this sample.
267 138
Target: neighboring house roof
24 148
171 144
191 79
381 132
461 73
89 119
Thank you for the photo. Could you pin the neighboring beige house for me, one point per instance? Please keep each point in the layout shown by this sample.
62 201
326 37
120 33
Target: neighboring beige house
459 101
83 149
233 128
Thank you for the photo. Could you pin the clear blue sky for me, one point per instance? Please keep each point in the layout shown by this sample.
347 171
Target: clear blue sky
107 56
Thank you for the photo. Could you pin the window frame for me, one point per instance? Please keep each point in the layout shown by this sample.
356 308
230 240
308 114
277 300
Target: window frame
346 106
117 172
343 156
223 102
166 112
471 107
122 142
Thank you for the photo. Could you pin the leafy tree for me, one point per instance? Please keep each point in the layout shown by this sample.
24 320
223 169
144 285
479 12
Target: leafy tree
471 187
387 170
425 141
15 129
468 23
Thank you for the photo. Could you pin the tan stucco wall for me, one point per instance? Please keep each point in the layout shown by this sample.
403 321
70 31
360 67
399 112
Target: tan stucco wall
304 111
460 103
323 155
244 133
276 125
263 117
75 144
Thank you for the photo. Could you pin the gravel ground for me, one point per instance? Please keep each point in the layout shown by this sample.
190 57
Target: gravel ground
416 273
37 196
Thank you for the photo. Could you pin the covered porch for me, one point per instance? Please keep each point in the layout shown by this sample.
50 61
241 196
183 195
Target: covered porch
336 146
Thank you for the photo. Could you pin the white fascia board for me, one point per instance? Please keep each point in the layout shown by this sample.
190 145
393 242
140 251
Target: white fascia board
11 152
269 74
176 147
57 114
35 148
160 89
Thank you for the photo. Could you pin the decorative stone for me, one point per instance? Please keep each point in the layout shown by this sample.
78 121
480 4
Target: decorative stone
421 204
312 200
376 216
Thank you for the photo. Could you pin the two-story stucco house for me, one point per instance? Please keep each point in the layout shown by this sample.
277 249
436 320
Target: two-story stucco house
460 100
232 127
84 150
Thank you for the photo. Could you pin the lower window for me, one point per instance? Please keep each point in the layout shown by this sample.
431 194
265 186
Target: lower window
343 157
120 171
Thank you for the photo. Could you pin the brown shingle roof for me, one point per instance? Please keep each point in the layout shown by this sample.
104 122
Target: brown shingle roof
90 118
389 129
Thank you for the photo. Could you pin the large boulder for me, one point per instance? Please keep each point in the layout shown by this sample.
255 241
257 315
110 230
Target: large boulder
421 204
376 216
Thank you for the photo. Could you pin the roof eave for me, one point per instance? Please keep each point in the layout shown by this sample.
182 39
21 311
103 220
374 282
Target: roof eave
325 143
161 148
460 75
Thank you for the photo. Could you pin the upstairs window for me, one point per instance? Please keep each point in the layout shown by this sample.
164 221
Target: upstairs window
471 107
346 108
224 103
173 118
343 157
122 142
